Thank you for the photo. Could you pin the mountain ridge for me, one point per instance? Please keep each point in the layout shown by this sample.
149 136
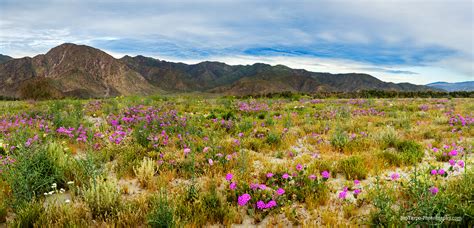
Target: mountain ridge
453 86
82 71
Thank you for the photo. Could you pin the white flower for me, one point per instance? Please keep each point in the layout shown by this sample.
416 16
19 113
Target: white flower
67 201
70 182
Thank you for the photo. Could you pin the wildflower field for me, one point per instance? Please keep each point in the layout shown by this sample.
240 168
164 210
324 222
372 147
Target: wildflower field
167 161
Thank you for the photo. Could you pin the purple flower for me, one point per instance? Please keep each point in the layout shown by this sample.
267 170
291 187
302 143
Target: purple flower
229 176
312 176
269 175
434 190
342 195
395 176
241 134
356 182
261 205
232 186
452 162
453 153
271 203
299 167
280 191
461 163
187 151
206 149
357 191
325 174
434 172
210 161
441 172
285 176
262 186
243 199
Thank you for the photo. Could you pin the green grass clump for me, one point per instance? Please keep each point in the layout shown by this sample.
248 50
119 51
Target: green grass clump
353 167
35 172
162 212
102 197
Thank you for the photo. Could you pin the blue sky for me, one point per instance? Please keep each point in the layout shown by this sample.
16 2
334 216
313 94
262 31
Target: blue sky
418 41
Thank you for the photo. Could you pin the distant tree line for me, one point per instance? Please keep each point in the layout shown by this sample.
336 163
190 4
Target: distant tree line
366 94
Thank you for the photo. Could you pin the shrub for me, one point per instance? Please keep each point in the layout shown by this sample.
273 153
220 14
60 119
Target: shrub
145 171
410 152
34 172
27 214
162 213
102 197
339 139
273 139
353 167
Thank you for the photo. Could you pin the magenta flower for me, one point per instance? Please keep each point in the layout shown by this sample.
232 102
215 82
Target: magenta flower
312 176
395 176
285 176
434 172
241 134
453 153
232 186
269 175
280 191
452 162
356 182
434 190
299 167
206 149
357 191
441 172
210 161
261 205
271 203
342 195
187 151
461 163
325 174
243 199
262 187
229 176
435 149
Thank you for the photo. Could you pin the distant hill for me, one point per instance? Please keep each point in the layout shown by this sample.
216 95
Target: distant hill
82 71
450 87
4 58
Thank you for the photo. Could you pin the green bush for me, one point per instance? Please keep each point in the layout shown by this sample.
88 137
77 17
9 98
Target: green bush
162 213
27 214
102 197
34 172
410 152
353 167
339 139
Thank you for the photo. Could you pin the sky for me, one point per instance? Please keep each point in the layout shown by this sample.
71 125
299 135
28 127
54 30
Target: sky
417 41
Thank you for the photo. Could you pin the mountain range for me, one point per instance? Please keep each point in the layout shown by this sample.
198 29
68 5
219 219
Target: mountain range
456 86
81 71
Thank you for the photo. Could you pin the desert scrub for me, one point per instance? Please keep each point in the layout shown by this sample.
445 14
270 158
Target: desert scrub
145 171
353 167
102 197
34 172
409 151
162 212
388 137
339 139
27 214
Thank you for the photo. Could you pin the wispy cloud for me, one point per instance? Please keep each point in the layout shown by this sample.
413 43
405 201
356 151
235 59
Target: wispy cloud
386 38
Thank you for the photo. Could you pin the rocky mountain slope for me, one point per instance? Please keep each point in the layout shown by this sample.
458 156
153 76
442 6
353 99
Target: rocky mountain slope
82 71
